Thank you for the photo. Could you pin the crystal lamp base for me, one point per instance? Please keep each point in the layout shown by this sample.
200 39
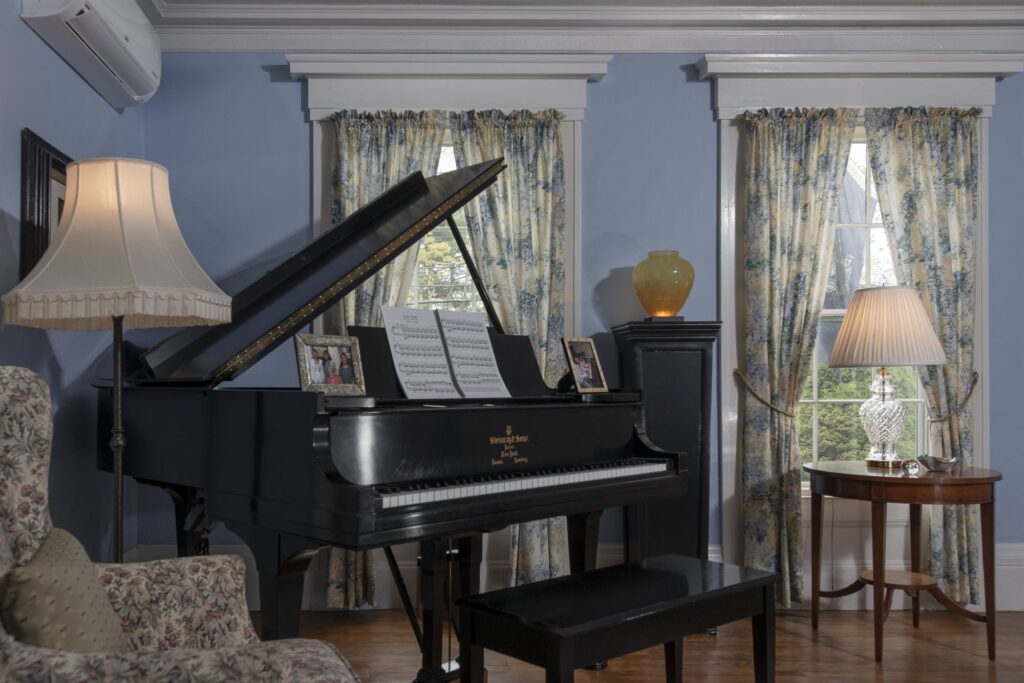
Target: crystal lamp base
883 418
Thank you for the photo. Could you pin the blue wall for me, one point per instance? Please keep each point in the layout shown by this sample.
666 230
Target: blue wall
1006 282
231 130
650 181
39 91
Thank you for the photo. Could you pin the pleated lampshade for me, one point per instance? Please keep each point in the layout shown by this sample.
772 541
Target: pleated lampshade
886 326
118 251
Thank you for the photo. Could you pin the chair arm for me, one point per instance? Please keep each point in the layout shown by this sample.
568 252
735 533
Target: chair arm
310 661
188 602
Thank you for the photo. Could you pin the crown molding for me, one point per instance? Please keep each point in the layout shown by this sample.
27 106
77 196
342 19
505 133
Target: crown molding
579 28
746 82
313 65
992 65
455 82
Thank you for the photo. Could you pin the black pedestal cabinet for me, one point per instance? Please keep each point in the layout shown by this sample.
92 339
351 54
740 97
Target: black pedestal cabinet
671 361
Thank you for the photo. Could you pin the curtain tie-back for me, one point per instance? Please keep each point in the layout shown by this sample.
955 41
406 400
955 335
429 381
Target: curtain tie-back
753 392
962 404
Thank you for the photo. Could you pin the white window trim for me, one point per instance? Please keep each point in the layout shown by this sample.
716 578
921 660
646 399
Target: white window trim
822 80
372 82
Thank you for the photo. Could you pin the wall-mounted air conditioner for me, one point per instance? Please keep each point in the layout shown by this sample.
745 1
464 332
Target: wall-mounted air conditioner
110 43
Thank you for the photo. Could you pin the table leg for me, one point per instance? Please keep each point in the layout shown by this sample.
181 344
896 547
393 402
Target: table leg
815 558
915 556
764 638
878 570
674 661
989 561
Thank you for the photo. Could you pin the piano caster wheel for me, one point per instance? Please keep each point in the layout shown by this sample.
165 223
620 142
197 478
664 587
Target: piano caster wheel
713 631
597 666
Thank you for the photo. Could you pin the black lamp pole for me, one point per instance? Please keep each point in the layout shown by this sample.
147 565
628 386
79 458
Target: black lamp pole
117 441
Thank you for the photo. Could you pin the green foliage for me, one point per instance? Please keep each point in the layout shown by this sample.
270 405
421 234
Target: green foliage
442 280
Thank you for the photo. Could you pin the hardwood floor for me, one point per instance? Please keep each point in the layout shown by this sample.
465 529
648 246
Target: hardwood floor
946 649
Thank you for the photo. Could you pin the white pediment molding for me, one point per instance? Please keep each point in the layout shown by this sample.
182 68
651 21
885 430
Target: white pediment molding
745 82
373 82
579 26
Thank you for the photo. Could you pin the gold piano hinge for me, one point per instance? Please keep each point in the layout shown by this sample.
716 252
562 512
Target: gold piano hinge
242 359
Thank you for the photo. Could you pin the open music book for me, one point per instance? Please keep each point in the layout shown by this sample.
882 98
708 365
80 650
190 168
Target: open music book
442 354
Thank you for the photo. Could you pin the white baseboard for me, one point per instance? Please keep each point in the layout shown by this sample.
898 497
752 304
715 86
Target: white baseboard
1009 574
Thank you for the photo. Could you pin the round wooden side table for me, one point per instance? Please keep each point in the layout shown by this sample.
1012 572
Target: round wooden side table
856 480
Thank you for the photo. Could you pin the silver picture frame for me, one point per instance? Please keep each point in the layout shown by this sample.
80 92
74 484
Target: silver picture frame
330 364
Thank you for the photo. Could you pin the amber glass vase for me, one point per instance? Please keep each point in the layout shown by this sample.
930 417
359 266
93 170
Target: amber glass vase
662 282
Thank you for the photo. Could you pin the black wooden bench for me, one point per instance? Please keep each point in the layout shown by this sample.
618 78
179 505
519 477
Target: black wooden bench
570 622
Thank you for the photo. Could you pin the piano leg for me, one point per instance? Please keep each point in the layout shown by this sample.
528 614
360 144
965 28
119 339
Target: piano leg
471 659
189 520
281 562
583 530
583 541
433 570
633 522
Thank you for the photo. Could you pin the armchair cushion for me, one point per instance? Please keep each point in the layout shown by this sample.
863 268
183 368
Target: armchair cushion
188 602
55 600
300 661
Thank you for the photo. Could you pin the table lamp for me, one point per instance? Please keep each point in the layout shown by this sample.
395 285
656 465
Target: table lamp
885 327
118 260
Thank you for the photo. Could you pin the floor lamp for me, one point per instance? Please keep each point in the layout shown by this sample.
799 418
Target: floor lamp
118 260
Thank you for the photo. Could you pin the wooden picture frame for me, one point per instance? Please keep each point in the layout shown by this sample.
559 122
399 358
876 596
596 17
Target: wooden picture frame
584 364
43 183
328 376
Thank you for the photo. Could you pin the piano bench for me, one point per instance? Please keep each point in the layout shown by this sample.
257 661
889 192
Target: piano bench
570 622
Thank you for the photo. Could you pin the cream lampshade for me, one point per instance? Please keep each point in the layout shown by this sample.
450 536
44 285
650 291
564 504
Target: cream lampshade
885 326
117 260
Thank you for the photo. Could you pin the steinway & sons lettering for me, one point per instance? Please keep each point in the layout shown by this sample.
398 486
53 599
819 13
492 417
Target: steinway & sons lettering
509 453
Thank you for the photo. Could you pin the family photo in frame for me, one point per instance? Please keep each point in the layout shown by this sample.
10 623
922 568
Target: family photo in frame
584 364
330 364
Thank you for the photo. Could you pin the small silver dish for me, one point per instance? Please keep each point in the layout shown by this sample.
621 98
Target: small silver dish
933 464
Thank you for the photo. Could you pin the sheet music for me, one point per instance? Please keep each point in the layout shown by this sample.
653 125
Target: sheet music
418 352
474 366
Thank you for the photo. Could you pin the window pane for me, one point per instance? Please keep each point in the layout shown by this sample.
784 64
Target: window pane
838 382
906 380
852 201
883 272
805 431
840 434
907 446
442 279
847 272
447 161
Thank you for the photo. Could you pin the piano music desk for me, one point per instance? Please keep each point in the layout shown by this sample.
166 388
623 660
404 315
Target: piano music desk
569 622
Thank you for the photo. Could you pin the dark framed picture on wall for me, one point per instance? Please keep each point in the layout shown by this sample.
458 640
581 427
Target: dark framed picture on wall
43 187
330 364
587 373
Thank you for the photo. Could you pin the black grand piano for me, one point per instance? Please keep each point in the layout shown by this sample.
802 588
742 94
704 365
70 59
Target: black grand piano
290 471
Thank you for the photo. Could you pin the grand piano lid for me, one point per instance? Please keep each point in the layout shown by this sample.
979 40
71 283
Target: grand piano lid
287 298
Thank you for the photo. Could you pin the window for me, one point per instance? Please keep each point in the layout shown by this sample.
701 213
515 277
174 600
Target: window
442 278
828 422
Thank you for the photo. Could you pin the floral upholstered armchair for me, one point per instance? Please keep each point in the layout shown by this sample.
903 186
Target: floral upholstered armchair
183 619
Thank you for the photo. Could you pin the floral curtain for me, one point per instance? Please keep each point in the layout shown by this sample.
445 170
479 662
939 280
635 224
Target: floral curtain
373 151
795 165
925 163
517 236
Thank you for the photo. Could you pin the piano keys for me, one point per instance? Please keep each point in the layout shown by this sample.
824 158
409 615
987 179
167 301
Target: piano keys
290 472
